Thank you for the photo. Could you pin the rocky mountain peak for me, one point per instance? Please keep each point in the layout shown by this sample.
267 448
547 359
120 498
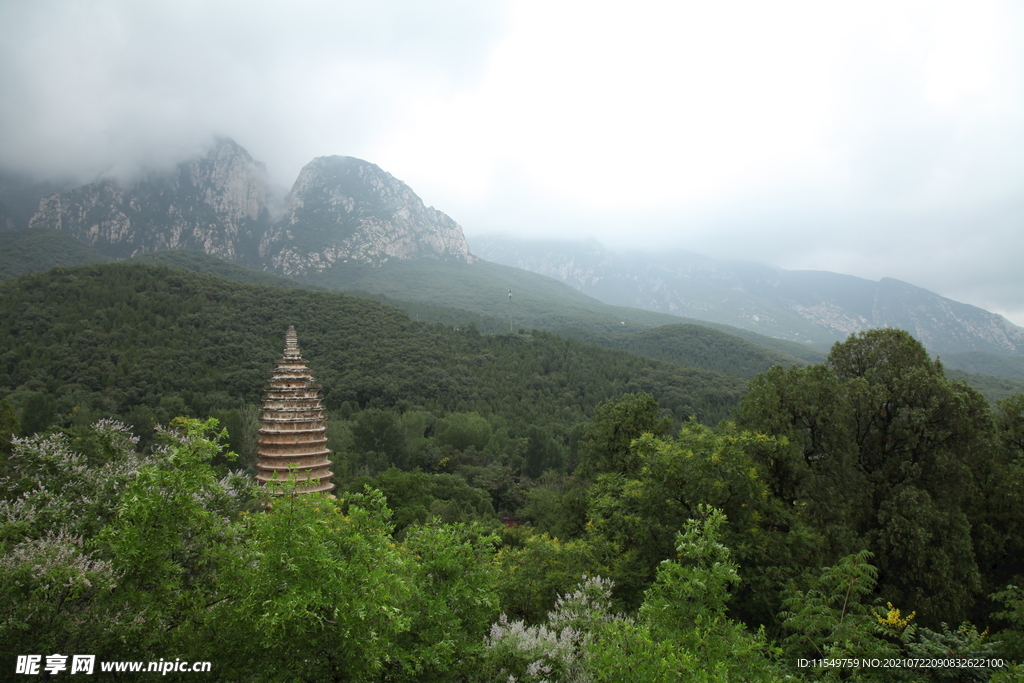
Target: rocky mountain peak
343 209
340 210
232 182
214 203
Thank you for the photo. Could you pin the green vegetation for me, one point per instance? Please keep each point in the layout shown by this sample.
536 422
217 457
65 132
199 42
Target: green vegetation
36 249
869 506
696 346
147 344
993 388
983 363
198 262
482 288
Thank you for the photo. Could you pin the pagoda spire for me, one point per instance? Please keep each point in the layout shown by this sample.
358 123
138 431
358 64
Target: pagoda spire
293 438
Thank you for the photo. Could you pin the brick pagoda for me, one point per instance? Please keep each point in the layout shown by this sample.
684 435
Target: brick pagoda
293 438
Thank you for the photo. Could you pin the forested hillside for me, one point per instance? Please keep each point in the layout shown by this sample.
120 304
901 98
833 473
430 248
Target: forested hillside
37 249
846 533
865 508
694 345
147 344
197 261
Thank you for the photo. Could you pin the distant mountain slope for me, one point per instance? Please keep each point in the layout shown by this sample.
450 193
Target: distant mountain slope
803 352
198 262
111 338
991 387
539 303
29 251
807 306
695 346
20 196
849 304
347 224
682 284
985 363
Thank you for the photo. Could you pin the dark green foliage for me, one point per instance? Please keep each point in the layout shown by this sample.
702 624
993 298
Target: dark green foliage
38 411
113 337
887 455
199 262
1011 613
606 443
379 433
832 618
36 249
418 497
696 346
984 363
993 388
634 516
463 431
141 558
10 427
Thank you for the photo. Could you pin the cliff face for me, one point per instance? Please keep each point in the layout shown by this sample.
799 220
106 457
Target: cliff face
214 204
340 210
343 209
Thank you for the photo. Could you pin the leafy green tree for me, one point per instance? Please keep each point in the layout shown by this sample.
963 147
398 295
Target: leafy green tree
557 505
38 412
453 600
10 427
1011 638
999 521
1010 424
605 446
681 631
964 643
832 618
170 539
536 568
887 455
463 431
637 518
379 432
107 551
315 591
687 603
420 497
543 452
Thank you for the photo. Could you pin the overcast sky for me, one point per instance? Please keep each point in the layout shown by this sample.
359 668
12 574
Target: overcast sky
871 138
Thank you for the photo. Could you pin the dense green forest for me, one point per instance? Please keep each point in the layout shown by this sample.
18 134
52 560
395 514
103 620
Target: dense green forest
694 345
147 344
664 523
36 249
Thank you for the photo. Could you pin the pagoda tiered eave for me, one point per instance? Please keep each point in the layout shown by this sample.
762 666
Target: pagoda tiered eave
292 435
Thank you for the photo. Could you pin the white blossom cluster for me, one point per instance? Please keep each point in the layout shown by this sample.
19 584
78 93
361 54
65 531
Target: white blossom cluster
57 488
554 651
57 561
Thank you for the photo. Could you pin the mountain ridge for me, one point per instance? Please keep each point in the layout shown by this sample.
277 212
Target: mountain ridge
339 209
345 219
814 307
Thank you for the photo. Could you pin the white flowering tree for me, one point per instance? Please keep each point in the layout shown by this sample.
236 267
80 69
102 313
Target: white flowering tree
104 551
681 631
